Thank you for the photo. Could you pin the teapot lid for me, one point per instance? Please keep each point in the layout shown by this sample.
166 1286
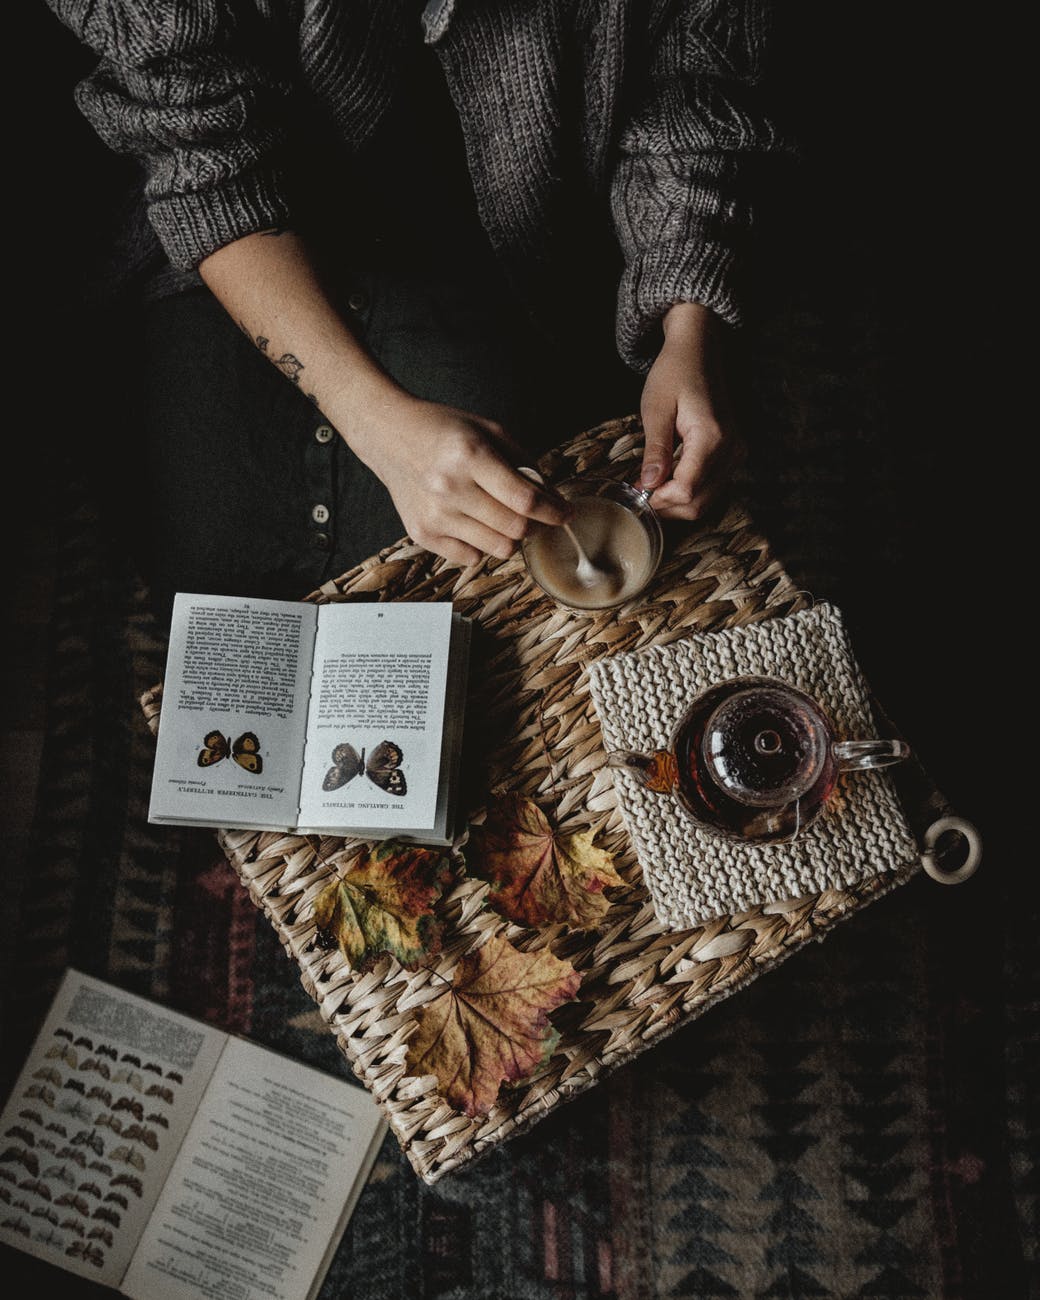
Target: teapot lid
765 745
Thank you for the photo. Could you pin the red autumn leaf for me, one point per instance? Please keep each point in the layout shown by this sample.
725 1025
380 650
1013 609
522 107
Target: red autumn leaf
385 904
538 875
491 1024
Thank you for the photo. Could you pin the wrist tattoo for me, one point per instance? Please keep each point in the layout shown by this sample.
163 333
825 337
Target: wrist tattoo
287 363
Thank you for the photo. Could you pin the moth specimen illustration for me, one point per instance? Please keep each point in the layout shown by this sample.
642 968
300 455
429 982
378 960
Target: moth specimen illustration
245 751
131 1104
161 1091
383 767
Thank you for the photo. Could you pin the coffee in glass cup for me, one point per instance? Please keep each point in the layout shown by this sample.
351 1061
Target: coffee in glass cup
608 551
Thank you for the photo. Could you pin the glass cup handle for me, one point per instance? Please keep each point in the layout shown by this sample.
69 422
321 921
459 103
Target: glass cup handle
861 755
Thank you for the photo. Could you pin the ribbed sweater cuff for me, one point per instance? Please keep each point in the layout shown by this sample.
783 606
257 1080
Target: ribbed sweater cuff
659 277
191 226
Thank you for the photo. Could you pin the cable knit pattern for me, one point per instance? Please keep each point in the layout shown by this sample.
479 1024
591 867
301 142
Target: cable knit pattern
694 875
210 95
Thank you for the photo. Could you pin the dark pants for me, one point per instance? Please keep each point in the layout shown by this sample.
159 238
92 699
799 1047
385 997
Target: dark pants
249 492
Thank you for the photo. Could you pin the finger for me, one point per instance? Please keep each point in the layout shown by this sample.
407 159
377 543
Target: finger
453 550
521 497
658 444
476 532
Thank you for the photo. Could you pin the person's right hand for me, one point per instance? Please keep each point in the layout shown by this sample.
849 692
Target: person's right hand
452 478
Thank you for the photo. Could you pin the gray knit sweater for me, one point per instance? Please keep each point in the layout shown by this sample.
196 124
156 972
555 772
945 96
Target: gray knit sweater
646 104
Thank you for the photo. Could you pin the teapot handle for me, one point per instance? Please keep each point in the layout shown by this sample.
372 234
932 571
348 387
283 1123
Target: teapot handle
860 755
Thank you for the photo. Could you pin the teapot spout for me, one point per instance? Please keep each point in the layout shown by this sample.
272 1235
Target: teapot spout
657 771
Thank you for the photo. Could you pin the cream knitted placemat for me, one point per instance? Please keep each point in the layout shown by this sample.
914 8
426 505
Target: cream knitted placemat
694 875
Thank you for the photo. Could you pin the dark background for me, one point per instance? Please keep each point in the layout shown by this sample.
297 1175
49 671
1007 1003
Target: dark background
875 405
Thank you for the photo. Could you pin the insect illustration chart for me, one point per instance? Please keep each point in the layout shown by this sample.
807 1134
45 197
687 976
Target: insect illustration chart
87 1124
383 767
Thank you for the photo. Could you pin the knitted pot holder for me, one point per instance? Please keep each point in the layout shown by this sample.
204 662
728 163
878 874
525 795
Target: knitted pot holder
694 875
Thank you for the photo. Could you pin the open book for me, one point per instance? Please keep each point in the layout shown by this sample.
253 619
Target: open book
152 1153
328 719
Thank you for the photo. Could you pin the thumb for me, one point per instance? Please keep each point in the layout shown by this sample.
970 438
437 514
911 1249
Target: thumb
659 442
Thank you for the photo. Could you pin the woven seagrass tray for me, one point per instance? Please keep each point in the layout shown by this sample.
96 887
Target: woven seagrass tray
532 729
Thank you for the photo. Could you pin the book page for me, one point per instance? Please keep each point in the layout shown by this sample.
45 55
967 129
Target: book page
373 753
235 696
263 1186
94 1122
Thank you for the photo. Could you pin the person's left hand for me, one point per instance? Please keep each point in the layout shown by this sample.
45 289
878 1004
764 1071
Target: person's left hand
683 409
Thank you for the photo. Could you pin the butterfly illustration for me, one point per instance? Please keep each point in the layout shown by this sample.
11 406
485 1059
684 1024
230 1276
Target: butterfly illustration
19 1225
101 1234
63 1052
49 1074
77 1202
33 1116
19 1156
129 1156
107 1215
175 1075
163 1093
46 1144
117 1198
102 1094
110 1052
153 1117
138 1133
245 751
155 1069
75 1155
77 1110
60 1129
18 1131
109 1121
134 1060
82 1250
86 1137
50 1237
129 1077
45 1212
383 767
73 1225
101 1167
84 1041
37 1186
129 1180
61 1174
90 1189
129 1103
92 1063
41 1093
63 1033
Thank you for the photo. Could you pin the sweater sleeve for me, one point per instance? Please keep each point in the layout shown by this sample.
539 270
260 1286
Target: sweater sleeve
189 88
678 195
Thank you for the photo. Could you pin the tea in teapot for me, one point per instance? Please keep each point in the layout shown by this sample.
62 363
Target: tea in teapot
755 759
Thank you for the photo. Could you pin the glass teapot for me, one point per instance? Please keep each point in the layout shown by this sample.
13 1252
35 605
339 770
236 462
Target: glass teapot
755 759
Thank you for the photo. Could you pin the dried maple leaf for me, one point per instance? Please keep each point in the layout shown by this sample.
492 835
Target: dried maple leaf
538 875
491 1023
385 904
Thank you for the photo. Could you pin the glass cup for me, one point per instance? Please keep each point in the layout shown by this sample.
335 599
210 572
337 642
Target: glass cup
616 529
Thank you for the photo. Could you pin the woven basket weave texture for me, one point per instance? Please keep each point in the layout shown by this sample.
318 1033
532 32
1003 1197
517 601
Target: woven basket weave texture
532 729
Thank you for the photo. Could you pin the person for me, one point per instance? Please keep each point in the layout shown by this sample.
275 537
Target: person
397 249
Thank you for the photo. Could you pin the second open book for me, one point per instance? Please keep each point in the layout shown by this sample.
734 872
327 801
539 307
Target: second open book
326 719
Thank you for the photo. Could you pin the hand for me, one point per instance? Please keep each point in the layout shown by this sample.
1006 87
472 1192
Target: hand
683 405
450 475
